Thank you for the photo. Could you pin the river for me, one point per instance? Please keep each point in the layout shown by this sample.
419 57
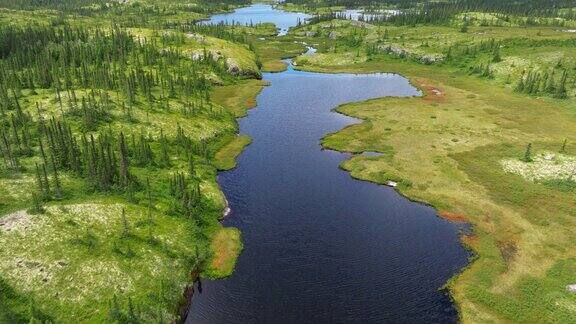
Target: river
320 246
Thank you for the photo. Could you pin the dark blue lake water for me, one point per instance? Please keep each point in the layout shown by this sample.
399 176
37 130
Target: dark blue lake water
260 13
320 246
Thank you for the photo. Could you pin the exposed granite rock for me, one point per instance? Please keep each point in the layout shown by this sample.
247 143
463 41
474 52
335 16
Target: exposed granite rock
197 37
431 58
402 52
392 49
233 67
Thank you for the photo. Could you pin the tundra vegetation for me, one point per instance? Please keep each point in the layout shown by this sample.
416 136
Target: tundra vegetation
116 115
111 135
489 142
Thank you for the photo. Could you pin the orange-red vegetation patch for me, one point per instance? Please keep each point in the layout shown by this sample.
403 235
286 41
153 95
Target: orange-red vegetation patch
469 240
250 103
223 249
431 92
453 217
226 246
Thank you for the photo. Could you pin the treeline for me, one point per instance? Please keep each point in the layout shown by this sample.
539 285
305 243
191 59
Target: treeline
160 13
63 5
222 31
502 20
89 7
104 160
550 83
522 7
442 12
554 82
81 69
67 58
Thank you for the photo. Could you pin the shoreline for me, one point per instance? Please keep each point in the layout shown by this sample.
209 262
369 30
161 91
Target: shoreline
458 177
188 294
446 215
438 213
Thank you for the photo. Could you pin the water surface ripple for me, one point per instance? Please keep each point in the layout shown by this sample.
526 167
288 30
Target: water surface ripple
320 246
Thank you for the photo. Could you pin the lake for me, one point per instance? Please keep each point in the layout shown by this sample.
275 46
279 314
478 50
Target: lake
260 13
320 246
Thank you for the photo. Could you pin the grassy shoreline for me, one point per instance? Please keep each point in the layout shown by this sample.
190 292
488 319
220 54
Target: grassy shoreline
79 251
114 234
226 244
501 251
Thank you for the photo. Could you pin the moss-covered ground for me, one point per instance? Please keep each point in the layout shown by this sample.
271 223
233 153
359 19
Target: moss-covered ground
446 148
93 256
116 255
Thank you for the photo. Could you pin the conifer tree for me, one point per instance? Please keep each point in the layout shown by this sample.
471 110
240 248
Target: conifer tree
496 55
37 207
165 158
528 153
125 178
57 185
149 196
125 225
563 148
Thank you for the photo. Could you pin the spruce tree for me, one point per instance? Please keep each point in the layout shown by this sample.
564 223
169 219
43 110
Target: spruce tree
125 178
37 207
528 153
496 55
125 225
57 185
563 148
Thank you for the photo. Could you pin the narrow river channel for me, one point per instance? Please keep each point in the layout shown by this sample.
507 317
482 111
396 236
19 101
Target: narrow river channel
320 246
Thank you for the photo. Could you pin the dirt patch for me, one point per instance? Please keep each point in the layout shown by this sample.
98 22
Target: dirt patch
453 217
13 221
508 251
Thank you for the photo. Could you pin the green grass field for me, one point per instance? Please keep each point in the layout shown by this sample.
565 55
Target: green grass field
82 254
446 148
71 251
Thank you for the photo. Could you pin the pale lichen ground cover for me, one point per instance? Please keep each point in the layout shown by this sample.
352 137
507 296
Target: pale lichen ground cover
545 166
445 149
71 257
